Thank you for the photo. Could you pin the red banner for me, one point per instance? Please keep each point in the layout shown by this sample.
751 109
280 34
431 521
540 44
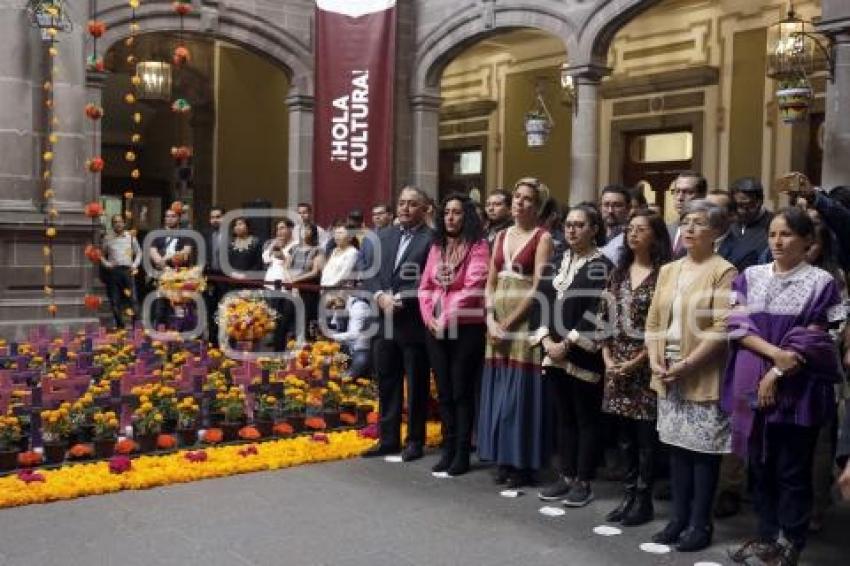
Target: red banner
353 133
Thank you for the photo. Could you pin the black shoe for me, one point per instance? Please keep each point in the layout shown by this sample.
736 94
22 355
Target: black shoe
518 479
755 551
380 450
641 512
460 464
411 452
728 504
670 534
580 495
622 509
556 490
444 463
502 475
662 491
789 555
695 539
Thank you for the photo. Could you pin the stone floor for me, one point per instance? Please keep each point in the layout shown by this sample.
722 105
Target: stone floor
351 513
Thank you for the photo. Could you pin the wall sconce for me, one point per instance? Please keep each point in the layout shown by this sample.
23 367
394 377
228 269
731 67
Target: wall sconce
791 50
156 80
568 86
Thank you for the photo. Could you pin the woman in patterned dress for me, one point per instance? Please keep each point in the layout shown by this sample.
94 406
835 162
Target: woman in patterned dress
686 341
510 426
627 394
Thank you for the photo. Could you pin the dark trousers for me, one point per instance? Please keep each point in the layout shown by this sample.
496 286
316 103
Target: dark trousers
285 324
638 441
458 363
782 481
361 363
212 296
121 289
395 360
578 405
693 481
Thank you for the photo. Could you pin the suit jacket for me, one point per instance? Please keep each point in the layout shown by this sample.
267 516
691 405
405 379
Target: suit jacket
407 325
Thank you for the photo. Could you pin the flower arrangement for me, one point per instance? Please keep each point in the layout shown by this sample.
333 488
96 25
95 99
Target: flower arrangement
56 424
187 413
231 404
246 316
125 446
82 411
331 396
181 283
163 398
80 451
213 436
249 433
265 407
147 419
10 433
105 425
29 459
166 442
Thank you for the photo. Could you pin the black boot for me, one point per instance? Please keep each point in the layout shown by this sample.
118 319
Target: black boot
620 512
642 511
460 463
445 461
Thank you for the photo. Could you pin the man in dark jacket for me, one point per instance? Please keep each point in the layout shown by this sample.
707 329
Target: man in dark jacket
400 345
750 231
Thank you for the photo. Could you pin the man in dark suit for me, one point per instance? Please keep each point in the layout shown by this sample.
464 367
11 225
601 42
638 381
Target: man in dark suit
400 345
214 240
688 186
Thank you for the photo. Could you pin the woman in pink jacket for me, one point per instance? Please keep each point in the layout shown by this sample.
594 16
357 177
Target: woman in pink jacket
451 298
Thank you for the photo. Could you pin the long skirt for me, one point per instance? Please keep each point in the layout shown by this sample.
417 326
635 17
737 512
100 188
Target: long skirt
511 418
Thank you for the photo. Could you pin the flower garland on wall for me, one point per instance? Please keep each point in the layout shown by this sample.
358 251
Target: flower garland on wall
120 473
131 155
182 151
50 17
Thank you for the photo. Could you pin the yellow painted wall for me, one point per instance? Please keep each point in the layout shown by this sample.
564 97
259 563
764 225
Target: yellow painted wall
747 112
551 163
252 129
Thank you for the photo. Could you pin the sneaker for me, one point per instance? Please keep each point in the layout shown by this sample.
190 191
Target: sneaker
579 495
556 490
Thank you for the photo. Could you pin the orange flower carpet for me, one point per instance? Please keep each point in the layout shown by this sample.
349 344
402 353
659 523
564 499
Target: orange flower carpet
145 472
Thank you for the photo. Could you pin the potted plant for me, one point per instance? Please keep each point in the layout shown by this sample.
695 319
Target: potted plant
55 428
187 421
265 407
331 396
82 426
10 437
105 433
794 98
147 423
232 406
537 127
295 402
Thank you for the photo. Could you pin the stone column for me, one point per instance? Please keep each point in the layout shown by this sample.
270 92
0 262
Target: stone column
836 165
300 148
426 142
584 153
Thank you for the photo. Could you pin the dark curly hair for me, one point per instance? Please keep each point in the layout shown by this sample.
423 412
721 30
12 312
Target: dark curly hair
659 251
471 231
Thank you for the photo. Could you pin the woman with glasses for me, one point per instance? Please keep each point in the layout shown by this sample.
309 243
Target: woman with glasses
510 425
572 368
686 344
779 386
628 395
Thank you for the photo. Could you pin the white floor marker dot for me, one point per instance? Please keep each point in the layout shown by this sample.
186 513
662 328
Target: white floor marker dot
395 459
550 511
441 475
607 531
510 493
654 548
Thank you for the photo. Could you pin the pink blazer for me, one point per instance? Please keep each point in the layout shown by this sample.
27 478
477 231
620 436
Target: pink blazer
465 293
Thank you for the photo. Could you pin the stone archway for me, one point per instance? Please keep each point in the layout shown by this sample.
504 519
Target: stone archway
586 30
285 47
443 42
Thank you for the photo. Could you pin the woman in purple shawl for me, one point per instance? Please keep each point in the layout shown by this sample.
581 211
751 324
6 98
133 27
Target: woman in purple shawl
779 384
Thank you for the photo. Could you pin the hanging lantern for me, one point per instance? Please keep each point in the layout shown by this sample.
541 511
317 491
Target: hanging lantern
538 121
50 16
155 83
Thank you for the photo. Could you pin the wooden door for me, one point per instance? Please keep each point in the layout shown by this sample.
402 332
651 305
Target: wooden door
659 172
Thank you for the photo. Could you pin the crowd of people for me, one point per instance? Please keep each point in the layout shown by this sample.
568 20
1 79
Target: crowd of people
714 348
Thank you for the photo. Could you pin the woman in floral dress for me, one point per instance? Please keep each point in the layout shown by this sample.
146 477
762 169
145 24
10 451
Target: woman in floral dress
627 394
